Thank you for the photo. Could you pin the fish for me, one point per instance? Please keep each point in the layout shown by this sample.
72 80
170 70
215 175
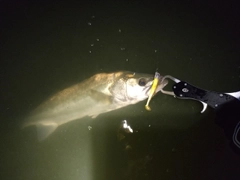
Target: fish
153 90
101 93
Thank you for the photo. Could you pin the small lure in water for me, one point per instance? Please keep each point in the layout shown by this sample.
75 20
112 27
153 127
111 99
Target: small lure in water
153 89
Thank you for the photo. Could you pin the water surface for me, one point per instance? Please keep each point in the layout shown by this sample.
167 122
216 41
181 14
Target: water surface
49 45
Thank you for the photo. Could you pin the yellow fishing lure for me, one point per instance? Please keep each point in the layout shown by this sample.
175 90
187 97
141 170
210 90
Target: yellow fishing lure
152 90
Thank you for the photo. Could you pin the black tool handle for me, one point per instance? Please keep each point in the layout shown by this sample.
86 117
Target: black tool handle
227 109
185 90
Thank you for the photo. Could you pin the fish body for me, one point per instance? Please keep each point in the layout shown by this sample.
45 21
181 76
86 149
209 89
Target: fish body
99 94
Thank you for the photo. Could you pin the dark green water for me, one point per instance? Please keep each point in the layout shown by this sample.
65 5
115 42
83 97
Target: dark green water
46 46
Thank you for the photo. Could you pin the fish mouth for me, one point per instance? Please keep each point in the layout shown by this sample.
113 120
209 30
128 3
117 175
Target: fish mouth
147 88
160 86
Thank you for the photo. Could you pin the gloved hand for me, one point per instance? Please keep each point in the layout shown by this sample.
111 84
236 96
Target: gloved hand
228 118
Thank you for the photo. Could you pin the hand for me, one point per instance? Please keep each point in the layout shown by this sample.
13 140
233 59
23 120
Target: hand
228 118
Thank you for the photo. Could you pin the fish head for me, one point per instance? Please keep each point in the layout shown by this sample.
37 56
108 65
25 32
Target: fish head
131 88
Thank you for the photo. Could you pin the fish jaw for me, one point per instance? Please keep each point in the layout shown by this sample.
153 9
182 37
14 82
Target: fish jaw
161 84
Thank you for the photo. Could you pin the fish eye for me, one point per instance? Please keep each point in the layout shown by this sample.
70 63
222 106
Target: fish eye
142 82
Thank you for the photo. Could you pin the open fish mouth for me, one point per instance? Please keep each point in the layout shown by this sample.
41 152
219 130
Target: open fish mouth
160 86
